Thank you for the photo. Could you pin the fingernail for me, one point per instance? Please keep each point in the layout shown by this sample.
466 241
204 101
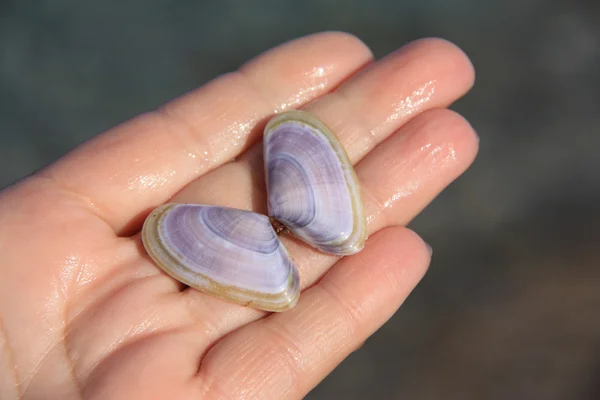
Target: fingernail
429 248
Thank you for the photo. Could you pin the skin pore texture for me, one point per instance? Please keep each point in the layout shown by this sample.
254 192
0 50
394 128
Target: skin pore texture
86 314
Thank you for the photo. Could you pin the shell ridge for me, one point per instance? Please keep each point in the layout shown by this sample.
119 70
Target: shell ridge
338 224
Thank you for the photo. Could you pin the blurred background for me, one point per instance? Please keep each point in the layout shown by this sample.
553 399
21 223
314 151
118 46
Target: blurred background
510 307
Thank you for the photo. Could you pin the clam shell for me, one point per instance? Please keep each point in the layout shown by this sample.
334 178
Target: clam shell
311 185
232 254
236 255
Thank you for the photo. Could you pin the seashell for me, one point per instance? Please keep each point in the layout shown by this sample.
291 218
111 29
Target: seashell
232 254
311 186
236 255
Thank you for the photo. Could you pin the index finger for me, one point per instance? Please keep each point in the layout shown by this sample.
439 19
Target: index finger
123 173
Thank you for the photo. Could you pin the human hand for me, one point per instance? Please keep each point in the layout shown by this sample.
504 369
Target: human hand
85 313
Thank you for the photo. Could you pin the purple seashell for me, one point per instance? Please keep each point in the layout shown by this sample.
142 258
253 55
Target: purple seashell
232 254
311 185
236 255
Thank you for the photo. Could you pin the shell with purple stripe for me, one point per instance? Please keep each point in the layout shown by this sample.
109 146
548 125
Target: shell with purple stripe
311 185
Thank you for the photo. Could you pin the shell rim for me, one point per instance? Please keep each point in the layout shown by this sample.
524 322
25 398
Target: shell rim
228 293
309 119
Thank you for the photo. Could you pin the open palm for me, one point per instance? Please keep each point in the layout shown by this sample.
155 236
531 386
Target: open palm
84 312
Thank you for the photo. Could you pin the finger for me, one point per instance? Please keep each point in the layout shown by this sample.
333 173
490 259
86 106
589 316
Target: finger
398 179
363 112
285 355
401 176
407 171
134 167
423 75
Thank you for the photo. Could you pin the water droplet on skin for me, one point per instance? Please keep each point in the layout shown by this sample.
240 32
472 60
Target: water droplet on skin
316 82
423 164
150 181
414 102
